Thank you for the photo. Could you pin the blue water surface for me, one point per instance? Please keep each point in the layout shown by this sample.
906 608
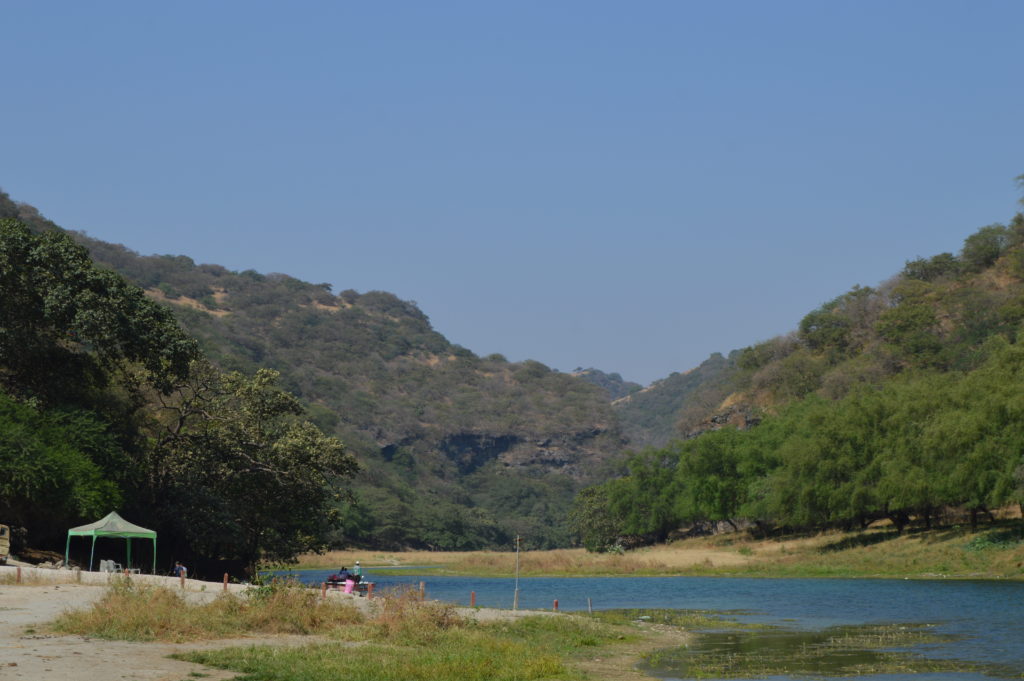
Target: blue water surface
988 616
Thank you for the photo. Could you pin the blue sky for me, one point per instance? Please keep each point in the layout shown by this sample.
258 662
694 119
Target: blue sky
629 186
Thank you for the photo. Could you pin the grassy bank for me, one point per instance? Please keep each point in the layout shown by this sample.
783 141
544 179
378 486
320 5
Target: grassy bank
399 637
993 552
528 648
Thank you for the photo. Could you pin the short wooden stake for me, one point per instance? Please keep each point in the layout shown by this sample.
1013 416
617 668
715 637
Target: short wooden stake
18 578
369 590
556 605
423 591
590 606
182 580
472 599
225 581
323 590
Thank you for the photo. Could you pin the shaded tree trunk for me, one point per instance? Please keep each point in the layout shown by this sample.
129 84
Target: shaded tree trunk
899 520
763 528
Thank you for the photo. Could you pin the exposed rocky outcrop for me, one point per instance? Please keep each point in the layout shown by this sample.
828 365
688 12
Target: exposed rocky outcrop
738 416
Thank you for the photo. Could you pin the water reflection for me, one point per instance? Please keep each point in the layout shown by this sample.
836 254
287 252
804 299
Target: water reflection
897 651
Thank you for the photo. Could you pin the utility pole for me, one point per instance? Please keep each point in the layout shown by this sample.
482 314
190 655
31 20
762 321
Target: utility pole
515 599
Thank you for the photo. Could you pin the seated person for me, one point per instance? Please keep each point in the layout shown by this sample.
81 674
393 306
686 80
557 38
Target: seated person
350 583
339 578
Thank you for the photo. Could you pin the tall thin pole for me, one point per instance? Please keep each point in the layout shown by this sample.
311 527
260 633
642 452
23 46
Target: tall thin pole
515 600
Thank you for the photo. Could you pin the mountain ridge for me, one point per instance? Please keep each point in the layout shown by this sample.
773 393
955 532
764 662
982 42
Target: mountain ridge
458 451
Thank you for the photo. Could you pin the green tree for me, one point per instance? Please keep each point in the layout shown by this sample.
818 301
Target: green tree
267 482
645 499
592 522
911 327
981 433
826 329
712 482
68 324
931 269
983 248
55 467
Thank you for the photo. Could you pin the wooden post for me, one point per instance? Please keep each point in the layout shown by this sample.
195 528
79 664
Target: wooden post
515 598
225 581
182 580
369 591
18 578
590 606
472 599
423 591
556 605
323 590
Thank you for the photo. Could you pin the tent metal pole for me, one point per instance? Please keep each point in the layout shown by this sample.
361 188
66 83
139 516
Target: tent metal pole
67 550
154 555
92 552
128 541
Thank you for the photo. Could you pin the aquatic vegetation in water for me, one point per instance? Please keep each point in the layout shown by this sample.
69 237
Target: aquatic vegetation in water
834 652
688 619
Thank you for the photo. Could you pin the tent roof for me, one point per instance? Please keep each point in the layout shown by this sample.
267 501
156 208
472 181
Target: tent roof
111 525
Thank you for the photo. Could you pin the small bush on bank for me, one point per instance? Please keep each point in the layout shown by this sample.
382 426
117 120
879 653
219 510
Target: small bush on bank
401 616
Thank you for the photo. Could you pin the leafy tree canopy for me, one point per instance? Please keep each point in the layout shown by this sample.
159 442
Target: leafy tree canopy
67 323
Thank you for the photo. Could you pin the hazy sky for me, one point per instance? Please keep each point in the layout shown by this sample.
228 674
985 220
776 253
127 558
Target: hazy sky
630 186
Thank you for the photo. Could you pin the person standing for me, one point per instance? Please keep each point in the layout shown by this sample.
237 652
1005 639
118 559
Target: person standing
357 570
179 570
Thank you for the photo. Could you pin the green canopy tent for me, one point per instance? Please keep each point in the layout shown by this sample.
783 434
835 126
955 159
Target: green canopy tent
111 525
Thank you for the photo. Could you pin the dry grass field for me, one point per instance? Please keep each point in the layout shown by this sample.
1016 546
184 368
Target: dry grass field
993 552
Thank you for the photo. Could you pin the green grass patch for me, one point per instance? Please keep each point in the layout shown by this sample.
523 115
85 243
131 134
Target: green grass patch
537 647
460 656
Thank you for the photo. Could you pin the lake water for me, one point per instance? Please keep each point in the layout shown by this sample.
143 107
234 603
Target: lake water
986 617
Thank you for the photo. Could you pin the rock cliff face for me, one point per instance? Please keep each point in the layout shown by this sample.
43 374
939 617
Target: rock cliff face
579 456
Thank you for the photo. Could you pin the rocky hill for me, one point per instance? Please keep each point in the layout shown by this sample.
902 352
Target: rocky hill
613 383
679 405
457 451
